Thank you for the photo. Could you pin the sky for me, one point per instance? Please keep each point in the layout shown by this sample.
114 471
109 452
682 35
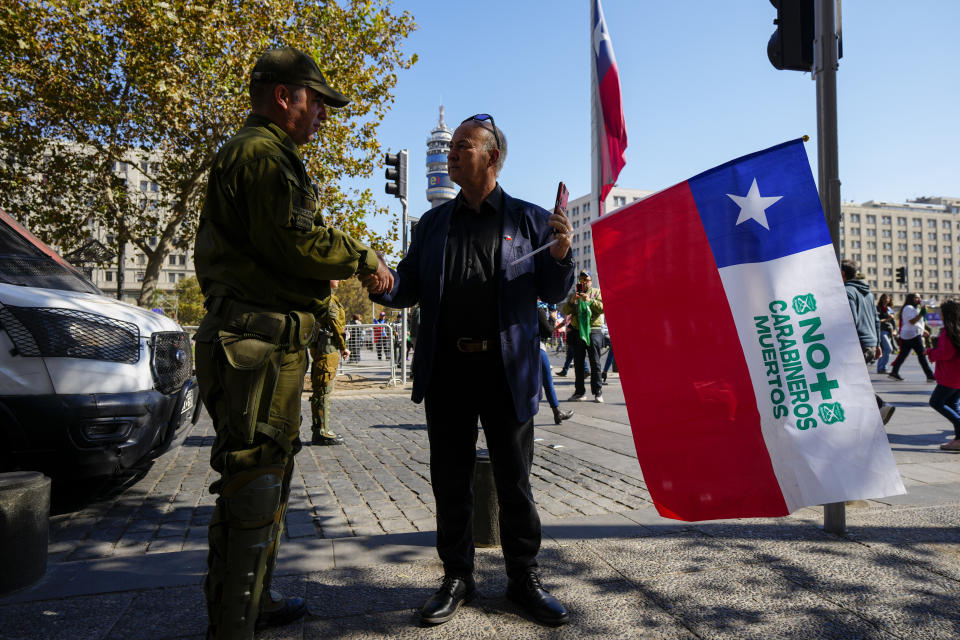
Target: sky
698 90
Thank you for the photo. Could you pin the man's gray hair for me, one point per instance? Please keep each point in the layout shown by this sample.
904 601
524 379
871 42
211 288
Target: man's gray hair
490 142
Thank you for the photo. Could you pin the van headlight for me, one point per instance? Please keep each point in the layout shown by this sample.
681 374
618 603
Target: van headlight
171 360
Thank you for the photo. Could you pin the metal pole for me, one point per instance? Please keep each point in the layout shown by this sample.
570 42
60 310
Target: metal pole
825 65
403 316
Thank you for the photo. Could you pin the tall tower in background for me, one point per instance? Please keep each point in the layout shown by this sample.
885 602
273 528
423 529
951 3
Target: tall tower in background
439 187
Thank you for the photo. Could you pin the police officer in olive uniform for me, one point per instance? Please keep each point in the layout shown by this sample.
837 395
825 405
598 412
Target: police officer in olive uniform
264 266
325 355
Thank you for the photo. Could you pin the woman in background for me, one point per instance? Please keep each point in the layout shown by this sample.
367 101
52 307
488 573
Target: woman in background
945 398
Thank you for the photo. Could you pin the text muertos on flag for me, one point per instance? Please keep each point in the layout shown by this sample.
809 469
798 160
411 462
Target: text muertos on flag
745 383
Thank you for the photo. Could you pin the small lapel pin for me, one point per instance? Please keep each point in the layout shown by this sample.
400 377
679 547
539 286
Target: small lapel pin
507 238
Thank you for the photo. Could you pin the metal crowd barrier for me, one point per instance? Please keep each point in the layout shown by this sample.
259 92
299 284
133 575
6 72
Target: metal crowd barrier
376 352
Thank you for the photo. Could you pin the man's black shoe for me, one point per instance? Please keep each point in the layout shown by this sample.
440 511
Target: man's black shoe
292 609
529 593
443 604
562 373
326 441
895 376
560 416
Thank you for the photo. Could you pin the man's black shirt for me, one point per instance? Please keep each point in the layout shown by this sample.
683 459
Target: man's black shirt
469 308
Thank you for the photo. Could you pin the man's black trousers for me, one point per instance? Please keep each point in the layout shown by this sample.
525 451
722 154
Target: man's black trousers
582 350
465 387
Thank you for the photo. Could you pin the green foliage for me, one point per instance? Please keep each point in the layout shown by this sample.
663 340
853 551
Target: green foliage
87 84
190 309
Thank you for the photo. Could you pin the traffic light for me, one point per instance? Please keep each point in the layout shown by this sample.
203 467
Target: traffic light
396 174
902 275
791 45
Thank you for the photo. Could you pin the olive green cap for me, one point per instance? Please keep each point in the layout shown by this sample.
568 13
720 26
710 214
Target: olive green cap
291 66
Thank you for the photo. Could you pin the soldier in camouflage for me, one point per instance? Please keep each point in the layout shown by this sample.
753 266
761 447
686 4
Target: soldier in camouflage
325 354
264 265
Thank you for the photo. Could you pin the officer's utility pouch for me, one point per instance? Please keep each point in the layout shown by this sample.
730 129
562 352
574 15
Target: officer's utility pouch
302 330
252 344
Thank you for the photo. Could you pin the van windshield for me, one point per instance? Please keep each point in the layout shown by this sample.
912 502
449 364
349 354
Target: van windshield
23 263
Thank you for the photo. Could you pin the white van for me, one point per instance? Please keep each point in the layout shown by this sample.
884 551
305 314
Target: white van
89 386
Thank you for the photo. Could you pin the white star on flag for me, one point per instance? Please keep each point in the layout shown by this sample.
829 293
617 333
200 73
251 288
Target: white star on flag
753 206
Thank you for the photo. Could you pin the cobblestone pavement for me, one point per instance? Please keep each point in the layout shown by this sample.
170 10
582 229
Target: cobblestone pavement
377 483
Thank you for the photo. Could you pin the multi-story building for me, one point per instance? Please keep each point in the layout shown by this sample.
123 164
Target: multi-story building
176 266
922 235
580 214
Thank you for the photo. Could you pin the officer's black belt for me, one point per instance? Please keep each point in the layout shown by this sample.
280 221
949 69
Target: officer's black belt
471 345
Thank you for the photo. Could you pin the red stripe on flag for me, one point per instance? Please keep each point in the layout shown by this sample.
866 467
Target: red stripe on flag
614 129
689 396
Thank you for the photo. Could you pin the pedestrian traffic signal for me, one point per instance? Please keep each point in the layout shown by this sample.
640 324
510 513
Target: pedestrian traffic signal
396 174
791 45
902 275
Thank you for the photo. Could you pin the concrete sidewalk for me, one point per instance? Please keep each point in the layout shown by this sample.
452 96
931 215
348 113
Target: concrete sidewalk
621 569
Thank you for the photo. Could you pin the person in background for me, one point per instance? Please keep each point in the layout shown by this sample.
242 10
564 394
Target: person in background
585 308
887 329
380 336
325 353
355 339
912 331
547 326
945 398
867 323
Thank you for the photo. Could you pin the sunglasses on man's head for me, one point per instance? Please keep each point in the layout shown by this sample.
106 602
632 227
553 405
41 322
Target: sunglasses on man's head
484 117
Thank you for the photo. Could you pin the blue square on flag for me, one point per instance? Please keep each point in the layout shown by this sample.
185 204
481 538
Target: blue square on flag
761 207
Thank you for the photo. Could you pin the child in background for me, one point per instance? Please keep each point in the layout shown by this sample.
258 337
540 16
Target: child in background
946 354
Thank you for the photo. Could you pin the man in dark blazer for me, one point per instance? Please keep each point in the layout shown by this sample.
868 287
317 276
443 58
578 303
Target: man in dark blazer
477 357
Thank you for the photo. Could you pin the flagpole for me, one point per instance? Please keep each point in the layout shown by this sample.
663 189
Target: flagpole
595 160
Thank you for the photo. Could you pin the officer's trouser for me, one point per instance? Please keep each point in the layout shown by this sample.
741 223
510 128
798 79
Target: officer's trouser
322 372
255 482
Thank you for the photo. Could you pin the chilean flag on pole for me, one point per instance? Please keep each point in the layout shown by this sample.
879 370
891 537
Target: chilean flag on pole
745 383
606 112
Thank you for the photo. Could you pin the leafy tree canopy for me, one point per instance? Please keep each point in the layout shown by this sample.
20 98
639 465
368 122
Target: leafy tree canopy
160 85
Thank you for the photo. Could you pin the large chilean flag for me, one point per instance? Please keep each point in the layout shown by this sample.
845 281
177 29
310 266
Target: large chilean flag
745 383
609 131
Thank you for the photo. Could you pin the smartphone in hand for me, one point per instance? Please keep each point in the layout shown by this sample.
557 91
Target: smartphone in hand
562 196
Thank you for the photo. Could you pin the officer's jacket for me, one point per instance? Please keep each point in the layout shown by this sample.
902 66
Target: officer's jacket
257 241
419 278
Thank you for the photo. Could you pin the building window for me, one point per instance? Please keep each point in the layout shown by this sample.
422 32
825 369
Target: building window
885 219
902 233
871 244
902 259
871 257
901 246
139 276
932 235
109 276
180 276
917 222
872 233
141 259
872 271
854 217
945 237
886 233
932 224
888 271
918 247
945 224
887 284
931 260
153 241
183 259
144 185
931 248
888 246
917 259
933 274
901 222
172 277
871 219
917 235
887 259
855 231
173 260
